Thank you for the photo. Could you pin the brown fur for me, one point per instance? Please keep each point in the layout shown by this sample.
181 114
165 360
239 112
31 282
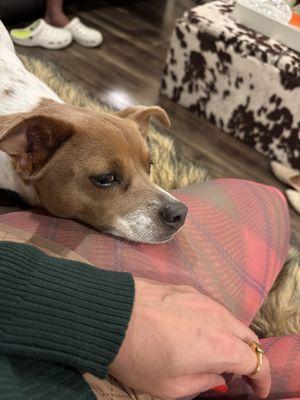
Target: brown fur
39 136
60 148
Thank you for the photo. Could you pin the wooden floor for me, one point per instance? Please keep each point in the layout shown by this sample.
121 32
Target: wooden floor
127 69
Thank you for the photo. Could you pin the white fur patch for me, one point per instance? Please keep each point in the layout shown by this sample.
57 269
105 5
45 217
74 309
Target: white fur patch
165 193
144 224
20 91
25 90
136 226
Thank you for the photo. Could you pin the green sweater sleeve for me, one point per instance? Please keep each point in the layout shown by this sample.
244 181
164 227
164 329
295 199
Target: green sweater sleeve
61 311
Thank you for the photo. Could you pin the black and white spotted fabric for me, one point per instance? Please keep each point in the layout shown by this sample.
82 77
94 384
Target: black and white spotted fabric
243 82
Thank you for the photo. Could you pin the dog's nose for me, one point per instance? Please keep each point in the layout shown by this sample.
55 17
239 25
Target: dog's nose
174 215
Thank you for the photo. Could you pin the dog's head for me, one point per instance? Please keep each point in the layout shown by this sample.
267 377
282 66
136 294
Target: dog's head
95 168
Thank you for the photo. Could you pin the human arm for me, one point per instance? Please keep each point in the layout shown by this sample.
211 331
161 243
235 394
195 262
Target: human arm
61 311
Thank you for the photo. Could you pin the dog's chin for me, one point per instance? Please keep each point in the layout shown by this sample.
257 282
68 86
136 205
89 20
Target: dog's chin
140 239
162 240
158 241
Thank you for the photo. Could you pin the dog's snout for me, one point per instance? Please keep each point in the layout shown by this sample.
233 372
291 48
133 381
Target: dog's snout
174 215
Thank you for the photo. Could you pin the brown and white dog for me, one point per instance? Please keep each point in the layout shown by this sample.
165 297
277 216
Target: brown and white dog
77 163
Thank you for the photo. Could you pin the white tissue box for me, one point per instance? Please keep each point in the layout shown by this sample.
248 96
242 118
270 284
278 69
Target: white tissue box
288 35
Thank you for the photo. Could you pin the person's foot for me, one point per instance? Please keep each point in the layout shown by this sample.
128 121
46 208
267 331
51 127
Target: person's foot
294 199
84 35
39 33
287 175
56 18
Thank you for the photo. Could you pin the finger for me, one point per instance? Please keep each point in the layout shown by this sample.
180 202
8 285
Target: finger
235 326
261 382
227 319
244 362
243 332
190 385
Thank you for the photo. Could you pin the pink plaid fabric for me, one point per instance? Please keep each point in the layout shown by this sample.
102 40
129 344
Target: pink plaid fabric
231 248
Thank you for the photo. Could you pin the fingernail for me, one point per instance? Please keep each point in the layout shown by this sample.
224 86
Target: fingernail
221 389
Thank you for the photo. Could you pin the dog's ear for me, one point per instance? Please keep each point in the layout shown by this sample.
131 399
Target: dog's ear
32 141
142 114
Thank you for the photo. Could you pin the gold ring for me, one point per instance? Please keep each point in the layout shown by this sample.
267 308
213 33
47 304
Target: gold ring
259 351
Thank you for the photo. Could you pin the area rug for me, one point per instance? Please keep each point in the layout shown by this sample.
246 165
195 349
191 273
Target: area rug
280 313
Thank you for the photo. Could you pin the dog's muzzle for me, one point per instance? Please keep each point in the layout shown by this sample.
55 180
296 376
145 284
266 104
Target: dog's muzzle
173 215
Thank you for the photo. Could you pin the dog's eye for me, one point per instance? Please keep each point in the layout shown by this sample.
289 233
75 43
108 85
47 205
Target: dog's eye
105 180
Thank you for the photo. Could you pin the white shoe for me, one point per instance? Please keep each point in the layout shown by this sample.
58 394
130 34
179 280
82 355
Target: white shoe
289 176
84 35
294 198
39 33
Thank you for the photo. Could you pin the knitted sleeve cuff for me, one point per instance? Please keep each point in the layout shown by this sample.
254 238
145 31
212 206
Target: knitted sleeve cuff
62 311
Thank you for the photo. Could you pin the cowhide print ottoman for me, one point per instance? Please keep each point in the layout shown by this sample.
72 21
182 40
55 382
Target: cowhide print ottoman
242 81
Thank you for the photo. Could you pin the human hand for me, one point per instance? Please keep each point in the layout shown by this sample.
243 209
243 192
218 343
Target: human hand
179 342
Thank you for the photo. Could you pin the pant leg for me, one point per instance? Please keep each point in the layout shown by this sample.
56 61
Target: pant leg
242 230
231 248
233 244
